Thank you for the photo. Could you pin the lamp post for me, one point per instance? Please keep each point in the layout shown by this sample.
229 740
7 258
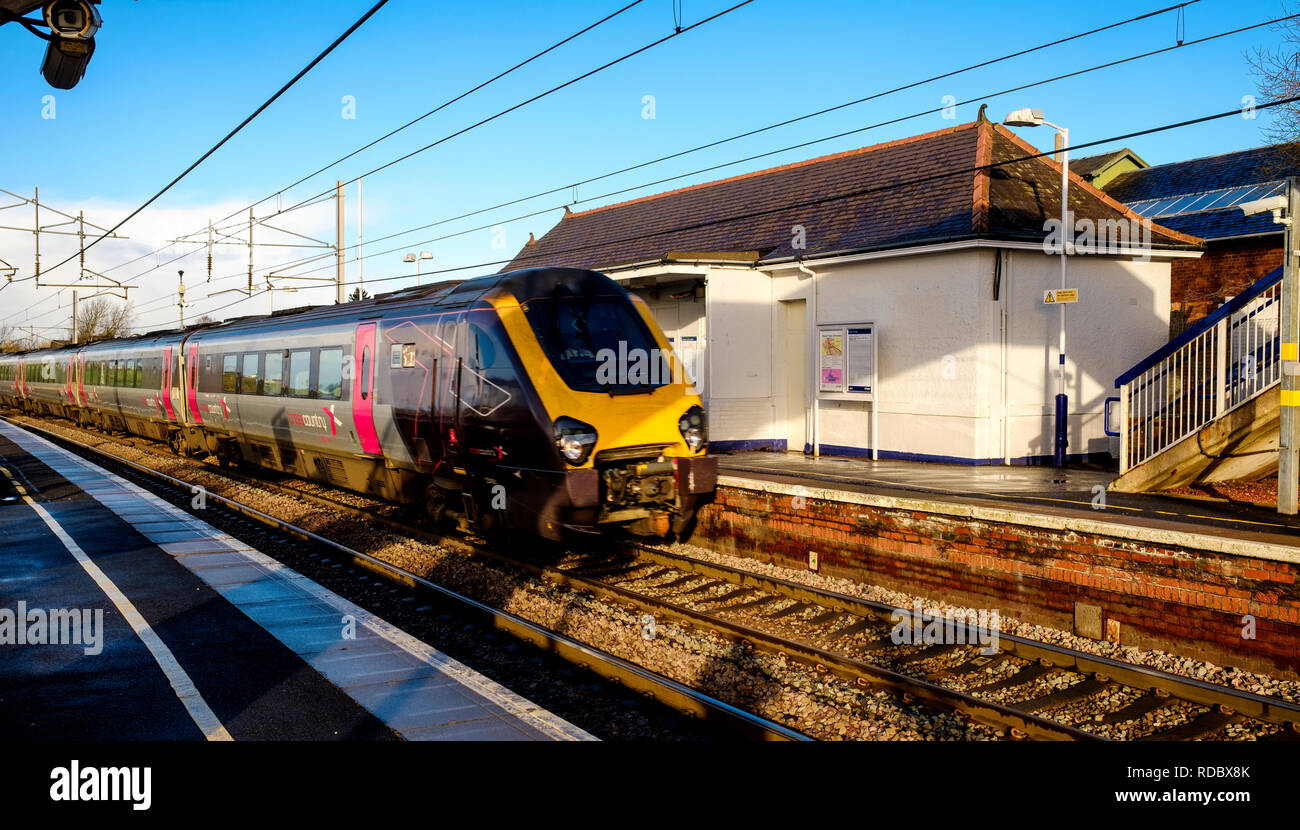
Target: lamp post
416 260
1034 118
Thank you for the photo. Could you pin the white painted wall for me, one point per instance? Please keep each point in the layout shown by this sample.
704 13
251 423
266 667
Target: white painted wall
942 370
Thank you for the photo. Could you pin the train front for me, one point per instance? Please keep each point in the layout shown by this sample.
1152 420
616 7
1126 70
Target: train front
630 429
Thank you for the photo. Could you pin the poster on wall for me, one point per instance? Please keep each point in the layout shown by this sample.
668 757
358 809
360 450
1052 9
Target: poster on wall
690 358
861 359
832 361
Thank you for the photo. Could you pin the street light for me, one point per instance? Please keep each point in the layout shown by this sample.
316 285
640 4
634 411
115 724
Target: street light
1034 118
412 258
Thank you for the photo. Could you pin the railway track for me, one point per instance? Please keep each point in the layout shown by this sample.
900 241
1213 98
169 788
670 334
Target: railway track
684 699
1023 688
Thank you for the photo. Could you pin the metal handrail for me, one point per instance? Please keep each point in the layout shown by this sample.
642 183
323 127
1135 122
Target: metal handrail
1222 362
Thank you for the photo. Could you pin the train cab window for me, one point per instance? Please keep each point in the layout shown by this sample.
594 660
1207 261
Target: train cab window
230 373
583 337
273 373
248 377
300 374
330 375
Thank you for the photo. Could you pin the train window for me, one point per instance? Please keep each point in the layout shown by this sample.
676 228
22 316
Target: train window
137 373
482 351
274 371
300 374
230 373
248 378
330 381
586 337
151 373
114 374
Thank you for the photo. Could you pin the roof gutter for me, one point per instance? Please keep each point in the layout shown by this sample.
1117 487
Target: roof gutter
834 257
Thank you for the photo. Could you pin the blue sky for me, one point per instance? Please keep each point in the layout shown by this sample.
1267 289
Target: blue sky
168 79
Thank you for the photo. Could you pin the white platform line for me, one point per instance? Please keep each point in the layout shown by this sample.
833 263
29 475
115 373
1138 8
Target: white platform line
539 718
204 718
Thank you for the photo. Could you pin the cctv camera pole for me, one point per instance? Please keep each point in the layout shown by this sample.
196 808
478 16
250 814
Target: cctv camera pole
1288 468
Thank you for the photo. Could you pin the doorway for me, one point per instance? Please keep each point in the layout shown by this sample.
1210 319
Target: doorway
794 325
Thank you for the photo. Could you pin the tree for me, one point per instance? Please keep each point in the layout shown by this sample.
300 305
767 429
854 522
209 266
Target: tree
205 320
358 294
10 340
1277 73
101 319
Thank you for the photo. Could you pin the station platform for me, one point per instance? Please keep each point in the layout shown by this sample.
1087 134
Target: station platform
123 617
1047 489
1210 580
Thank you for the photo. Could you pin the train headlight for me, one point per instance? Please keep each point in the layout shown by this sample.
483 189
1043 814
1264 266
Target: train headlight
695 432
574 439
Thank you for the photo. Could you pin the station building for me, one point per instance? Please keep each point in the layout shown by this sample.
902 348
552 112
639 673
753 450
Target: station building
890 300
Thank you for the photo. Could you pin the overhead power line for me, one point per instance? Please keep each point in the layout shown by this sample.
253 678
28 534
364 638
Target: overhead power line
754 157
852 194
376 7
786 122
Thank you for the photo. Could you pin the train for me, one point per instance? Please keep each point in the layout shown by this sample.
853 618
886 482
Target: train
503 403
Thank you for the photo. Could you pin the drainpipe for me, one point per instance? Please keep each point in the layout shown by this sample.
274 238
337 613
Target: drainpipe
812 352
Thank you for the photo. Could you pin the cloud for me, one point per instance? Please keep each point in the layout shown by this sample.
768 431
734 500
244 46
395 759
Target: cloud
149 260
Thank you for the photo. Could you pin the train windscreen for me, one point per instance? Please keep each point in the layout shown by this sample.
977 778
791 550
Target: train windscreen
598 344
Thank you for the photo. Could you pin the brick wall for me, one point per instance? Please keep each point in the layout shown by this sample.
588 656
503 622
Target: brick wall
1185 601
1200 285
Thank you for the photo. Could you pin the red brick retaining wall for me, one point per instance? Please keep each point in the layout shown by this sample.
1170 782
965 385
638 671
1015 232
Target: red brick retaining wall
1183 600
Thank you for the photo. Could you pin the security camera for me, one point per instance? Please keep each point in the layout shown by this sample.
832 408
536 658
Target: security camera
1273 203
66 61
72 19
73 24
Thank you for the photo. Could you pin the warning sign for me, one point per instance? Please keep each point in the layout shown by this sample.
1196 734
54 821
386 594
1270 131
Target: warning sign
1061 295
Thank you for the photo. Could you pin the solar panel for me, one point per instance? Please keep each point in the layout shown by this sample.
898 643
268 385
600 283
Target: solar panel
1205 200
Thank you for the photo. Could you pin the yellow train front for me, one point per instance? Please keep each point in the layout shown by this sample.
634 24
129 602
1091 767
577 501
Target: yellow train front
556 405
628 432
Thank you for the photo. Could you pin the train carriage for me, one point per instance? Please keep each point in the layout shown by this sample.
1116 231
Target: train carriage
132 385
498 401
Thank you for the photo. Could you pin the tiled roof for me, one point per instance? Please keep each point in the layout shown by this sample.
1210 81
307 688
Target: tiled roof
1219 224
1262 164
919 190
1212 173
1089 165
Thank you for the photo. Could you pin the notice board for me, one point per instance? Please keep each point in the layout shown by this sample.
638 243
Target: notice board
847 364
